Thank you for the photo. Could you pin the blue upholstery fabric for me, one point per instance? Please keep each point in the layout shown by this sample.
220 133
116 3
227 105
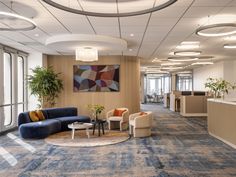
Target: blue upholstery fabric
57 119
60 112
23 118
40 129
68 120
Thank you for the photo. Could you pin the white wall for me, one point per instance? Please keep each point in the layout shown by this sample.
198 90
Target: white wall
201 74
230 75
34 59
224 69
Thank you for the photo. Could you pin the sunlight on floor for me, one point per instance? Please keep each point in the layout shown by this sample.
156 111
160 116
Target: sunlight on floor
8 157
22 143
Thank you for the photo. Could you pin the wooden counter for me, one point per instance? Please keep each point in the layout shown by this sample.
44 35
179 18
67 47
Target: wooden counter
222 120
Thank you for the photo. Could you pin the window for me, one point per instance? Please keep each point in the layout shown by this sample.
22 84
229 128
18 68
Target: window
184 82
12 85
21 85
7 89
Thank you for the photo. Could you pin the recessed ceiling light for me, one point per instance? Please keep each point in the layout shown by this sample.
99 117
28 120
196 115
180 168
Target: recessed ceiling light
217 27
130 50
36 35
230 46
132 35
203 63
187 53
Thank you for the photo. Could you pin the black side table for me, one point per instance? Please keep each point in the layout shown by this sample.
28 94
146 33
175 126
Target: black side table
100 124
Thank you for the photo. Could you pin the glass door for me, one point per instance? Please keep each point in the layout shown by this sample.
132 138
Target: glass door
12 89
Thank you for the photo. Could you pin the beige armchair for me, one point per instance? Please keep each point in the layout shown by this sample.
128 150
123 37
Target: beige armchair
124 119
140 125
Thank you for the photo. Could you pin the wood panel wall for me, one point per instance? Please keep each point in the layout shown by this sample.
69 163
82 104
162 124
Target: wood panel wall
128 96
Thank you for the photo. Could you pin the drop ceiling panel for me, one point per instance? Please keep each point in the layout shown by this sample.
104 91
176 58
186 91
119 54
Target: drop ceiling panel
136 6
101 7
16 36
211 3
105 26
199 12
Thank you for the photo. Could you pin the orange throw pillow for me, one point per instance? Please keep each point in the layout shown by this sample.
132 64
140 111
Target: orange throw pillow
118 112
142 113
33 116
40 115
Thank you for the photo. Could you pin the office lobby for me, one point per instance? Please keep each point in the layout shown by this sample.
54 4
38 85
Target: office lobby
136 88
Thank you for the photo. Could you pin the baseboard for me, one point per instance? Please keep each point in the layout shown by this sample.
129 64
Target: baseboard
9 130
223 140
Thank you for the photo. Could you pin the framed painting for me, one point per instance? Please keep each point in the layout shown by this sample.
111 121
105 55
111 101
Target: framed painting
96 78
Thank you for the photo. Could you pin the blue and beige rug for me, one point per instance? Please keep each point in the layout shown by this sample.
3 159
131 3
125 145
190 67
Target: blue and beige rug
179 147
81 139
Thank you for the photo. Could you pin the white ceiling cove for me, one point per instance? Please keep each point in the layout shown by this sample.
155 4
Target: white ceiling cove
148 36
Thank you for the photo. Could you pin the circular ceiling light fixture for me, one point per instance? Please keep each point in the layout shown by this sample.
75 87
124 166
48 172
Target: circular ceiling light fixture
172 68
202 63
187 53
15 22
182 59
171 64
215 30
230 46
68 43
100 14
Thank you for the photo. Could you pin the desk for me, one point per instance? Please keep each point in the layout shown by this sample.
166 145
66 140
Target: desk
222 120
177 104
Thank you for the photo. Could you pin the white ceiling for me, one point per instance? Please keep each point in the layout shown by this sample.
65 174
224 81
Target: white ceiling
155 35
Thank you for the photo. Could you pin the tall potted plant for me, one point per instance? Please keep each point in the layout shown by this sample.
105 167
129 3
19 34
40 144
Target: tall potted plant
219 87
45 85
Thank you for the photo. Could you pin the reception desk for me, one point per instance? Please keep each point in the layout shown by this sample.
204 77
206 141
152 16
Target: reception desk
222 120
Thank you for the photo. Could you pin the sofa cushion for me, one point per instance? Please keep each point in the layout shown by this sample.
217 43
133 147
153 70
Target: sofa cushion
40 115
40 129
118 112
33 116
68 120
60 112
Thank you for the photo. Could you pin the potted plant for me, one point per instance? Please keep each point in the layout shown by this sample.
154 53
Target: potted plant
219 86
96 110
45 84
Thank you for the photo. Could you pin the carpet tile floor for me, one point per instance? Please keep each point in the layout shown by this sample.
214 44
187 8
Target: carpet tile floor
178 147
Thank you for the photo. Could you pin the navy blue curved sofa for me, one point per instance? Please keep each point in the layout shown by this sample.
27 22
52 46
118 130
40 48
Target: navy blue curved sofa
56 120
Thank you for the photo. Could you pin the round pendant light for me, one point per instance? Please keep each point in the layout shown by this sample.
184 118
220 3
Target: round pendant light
182 59
25 25
230 46
187 53
203 63
172 67
98 14
227 29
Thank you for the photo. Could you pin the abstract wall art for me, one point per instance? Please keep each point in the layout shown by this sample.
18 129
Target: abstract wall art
96 78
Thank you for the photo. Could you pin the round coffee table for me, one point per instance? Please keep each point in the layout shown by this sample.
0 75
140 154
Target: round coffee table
79 126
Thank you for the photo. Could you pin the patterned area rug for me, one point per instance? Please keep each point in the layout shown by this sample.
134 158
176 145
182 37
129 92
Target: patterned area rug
81 139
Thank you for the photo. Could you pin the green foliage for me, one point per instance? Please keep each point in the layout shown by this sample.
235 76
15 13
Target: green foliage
219 86
45 84
96 109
